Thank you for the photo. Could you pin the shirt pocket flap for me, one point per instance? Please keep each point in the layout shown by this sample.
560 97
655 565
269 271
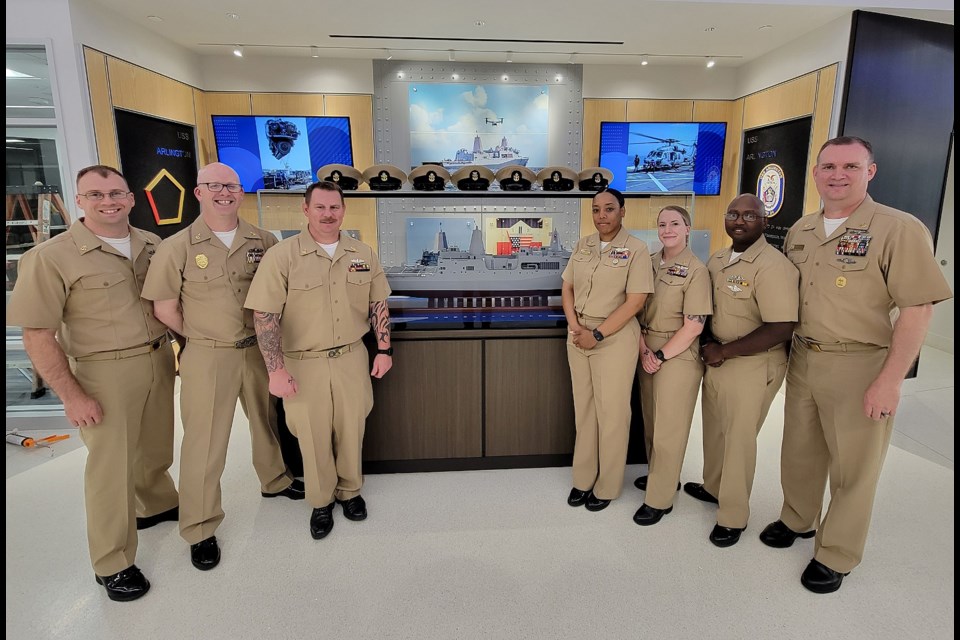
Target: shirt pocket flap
203 275
305 283
102 280
359 277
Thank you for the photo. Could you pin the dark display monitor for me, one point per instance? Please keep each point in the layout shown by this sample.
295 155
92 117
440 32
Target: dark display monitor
281 152
664 156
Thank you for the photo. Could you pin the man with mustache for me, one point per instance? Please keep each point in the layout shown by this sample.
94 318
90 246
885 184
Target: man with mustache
315 296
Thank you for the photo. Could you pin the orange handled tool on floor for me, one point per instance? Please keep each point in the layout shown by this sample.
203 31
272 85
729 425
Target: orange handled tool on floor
26 441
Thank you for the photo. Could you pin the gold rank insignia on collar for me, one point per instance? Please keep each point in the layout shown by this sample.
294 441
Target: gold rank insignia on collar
358 264
679 270
202 261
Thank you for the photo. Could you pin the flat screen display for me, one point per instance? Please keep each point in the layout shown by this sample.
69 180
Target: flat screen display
281 152
664 156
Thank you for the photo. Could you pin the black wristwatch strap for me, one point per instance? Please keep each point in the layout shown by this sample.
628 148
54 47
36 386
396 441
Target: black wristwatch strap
385 352
597 335
660 355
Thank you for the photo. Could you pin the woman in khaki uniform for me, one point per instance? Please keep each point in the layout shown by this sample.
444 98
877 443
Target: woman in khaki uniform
670 355
605 284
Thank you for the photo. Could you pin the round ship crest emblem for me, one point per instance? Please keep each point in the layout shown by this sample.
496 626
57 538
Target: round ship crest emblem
771 185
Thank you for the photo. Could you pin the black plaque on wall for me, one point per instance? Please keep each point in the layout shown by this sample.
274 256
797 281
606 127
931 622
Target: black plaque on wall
775 168
159 160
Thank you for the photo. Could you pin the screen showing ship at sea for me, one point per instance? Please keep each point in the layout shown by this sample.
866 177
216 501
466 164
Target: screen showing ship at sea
664 156
492 125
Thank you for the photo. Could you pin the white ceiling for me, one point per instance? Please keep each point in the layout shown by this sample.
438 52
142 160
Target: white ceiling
537 31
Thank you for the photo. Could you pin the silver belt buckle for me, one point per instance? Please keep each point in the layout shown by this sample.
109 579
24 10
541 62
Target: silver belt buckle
335 352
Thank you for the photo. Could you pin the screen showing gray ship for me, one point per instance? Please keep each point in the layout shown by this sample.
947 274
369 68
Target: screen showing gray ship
472 278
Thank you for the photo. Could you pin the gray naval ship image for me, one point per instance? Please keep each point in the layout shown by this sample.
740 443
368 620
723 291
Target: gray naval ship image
493 158
473 278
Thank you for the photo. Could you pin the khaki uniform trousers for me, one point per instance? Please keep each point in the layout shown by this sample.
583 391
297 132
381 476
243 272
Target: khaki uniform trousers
128 453
668 399
211 380
328 417
825 431
602 381
736 398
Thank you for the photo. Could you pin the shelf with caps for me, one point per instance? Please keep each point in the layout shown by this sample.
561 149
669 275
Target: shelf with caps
491 193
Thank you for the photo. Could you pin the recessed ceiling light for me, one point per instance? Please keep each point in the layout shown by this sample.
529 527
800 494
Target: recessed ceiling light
155 18
711 62
505 78
233 16
644 61
455 76
314 52
238 51
709 29
479 23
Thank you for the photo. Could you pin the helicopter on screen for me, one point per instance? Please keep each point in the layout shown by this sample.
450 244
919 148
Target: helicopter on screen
669 154
494 121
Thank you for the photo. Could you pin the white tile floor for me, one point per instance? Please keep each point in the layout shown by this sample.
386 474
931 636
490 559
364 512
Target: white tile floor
497 554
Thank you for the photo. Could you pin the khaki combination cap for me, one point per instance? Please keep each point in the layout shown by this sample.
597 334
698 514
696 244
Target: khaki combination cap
343 174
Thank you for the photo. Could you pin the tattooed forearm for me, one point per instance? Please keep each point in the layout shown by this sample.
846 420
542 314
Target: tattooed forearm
700 319
380 321
268 337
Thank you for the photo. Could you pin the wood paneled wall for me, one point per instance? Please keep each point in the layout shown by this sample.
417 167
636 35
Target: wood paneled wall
115 83
809 95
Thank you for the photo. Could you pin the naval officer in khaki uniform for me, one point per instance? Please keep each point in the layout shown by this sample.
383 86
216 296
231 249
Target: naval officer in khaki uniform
97 344
314 297
198 281
605 285
670 377
755 301
861 264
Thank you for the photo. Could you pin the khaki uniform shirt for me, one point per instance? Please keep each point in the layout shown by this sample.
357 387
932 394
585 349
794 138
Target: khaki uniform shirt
602 278
758 287
210 280
850 283
89 291
682 288
324 302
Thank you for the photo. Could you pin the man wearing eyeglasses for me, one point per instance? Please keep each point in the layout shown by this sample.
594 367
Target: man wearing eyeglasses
198 281
755 307
97 344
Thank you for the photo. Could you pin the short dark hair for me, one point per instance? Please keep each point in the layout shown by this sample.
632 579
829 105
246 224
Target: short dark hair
842 141
323 185
615 193
101 170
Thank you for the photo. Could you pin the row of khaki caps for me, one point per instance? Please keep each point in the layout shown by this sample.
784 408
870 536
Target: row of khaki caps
434 177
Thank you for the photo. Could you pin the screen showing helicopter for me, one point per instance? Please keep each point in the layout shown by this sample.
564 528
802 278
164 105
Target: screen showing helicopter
664 156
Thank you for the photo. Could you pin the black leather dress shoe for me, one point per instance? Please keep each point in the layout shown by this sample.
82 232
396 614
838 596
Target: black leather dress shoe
321 522
170 515
296 491
725 536
647 515
354 509
125 585
696 490
577 498
780 536
205 555
820 578
596 504
641 483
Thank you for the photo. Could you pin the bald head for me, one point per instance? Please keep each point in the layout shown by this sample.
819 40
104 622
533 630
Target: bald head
747 201
217 172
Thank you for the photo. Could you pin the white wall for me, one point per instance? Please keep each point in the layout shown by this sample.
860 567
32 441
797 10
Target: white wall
666 82
819 48
299 75
940 334
99 29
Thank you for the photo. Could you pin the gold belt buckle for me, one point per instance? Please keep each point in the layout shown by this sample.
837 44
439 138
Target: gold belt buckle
336 352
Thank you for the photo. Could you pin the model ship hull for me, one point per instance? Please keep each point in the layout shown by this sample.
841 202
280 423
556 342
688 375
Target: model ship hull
428 282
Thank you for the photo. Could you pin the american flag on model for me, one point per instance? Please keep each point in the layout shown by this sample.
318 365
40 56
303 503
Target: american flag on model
516 243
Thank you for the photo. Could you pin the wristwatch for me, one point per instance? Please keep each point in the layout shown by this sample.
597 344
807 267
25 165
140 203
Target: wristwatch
597 335
659 354
385 352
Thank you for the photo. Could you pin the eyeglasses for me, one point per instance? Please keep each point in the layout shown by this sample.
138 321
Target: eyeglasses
97 196
219 186
746 217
